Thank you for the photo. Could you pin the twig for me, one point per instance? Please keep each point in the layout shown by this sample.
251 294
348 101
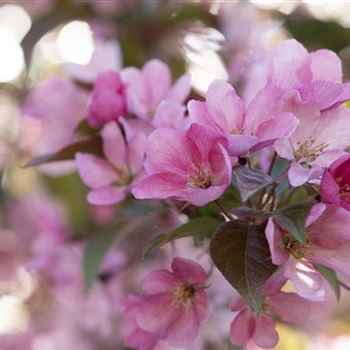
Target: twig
345 286
223 211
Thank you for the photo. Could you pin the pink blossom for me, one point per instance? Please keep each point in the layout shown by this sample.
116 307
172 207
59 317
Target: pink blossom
261 329
110 179
328 244
191 166
148 87
335 183
108 101
225 112
174 304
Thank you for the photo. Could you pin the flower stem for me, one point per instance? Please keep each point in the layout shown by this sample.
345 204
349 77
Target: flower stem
224 211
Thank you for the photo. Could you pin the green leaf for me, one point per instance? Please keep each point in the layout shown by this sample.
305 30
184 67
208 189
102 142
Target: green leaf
330 275
94 253
203 226
92 145
250 181
241 252
292 219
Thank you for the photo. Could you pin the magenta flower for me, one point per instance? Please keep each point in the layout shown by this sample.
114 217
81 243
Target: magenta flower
110 179
335 183
108 100
187 165
261 329
328 244
148 87
245 129
175 303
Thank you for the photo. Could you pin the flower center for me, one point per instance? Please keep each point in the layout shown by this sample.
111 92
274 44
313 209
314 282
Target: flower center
344 189
237 131
199 178
291 245
184 293
309 151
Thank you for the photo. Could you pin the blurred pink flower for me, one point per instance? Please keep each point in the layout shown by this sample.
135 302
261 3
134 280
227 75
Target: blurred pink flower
110 179
335 183
175 303
148 87
107 101
191 166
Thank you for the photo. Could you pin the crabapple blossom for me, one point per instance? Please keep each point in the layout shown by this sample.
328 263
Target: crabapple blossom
298 260
108 101
173 307
335 183
148 87
225 112
190 165
110 179
261 328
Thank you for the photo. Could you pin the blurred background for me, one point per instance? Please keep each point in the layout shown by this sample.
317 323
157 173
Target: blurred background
50 53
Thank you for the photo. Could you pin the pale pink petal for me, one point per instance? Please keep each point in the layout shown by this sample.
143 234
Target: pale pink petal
337 259
288 65
158 79
185 329
274 284
307 281
106 195
325 93
189 270
326 65
136 151
274 237
161 186
160 281
168 150
199 113
298 175
200 197
242 328
94 171
224 106
201 305
265 334
240 145
157 313
281 303
282 125
316 211
169 114
114 145
331 229
180 89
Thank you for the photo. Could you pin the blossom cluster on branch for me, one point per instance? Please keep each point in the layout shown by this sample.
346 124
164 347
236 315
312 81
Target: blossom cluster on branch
282 245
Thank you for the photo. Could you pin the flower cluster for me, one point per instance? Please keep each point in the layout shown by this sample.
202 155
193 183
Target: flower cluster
284 150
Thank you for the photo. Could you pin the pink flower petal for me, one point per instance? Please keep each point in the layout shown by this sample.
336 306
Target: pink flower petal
106 195
114 145
326 65
201 305
307 281
180 89
331 230
189 270
160 281
274 237
265 334
157 76
242 328
94 171
280 304
157 314
136 151
185 329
